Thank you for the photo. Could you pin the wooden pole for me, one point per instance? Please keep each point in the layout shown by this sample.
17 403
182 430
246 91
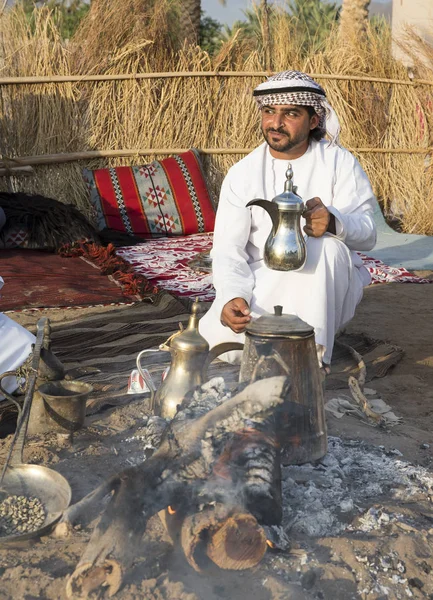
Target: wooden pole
266 34
48 79
15 171
57 159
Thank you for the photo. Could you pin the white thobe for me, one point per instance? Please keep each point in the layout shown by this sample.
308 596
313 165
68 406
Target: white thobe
326 291
15 347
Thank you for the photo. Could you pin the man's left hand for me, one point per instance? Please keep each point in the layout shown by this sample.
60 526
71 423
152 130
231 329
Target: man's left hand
318 219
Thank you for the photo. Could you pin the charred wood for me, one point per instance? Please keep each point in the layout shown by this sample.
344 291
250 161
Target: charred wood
251 459
180 469
227 535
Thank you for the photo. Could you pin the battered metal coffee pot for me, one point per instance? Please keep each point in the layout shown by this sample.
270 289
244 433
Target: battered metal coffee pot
190 358
285 248
284 345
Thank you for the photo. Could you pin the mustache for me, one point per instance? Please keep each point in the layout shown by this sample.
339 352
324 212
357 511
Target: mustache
279 130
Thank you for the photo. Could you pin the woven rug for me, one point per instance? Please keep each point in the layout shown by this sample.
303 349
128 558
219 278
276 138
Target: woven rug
110 343
36 279
382 273
164 262
102 350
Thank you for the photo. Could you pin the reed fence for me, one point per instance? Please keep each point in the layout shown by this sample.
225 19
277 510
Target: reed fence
61 158
123 95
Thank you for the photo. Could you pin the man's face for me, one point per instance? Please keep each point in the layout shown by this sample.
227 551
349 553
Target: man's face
286 126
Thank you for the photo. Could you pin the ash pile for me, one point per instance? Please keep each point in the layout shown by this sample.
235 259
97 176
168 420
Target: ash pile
361 500
322 500
337 493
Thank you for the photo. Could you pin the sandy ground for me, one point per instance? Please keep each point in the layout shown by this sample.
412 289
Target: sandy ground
393 558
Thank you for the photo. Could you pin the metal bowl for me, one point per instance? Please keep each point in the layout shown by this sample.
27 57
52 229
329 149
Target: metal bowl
47 485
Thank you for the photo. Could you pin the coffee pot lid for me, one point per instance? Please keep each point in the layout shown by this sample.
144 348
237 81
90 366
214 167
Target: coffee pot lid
279 325
289 199
190 339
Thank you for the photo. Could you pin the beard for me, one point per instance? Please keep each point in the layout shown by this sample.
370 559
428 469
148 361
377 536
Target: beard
287 142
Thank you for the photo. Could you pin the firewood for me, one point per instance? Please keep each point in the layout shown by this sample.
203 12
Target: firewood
252 460
240 542
227 535
83 511
362 401
358 360
176 472
89 579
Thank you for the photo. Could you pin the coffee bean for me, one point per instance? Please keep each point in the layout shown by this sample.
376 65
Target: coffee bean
19 514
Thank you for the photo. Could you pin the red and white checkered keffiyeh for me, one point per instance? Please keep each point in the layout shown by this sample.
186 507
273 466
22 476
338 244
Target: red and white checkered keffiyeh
294 87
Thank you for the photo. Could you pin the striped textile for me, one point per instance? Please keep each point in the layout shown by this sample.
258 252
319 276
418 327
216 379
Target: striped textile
111 341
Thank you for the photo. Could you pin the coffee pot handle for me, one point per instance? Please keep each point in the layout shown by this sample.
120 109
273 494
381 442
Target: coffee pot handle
221 349
147 378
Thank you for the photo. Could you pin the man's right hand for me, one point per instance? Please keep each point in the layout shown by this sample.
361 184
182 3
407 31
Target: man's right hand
236 315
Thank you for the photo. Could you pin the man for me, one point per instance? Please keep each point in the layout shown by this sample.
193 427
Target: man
338 220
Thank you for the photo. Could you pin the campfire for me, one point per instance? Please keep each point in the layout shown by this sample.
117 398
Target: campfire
214 481
214 487
218 478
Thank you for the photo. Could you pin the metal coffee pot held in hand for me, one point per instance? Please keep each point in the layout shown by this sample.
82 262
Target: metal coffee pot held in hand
285 248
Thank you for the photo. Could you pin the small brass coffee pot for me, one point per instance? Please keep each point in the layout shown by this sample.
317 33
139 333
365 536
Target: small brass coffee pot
190 359
285 248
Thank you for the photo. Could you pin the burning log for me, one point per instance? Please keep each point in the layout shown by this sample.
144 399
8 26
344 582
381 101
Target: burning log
243 491
224 527
252 460
239 543
181 470
227 535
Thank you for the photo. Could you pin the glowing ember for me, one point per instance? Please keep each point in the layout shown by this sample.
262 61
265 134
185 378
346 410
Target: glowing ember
171 511
270 544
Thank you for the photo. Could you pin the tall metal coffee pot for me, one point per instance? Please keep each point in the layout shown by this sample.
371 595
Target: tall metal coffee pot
285 248
190 358
282 344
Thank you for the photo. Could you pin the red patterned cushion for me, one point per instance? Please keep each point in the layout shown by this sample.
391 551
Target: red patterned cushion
165 198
